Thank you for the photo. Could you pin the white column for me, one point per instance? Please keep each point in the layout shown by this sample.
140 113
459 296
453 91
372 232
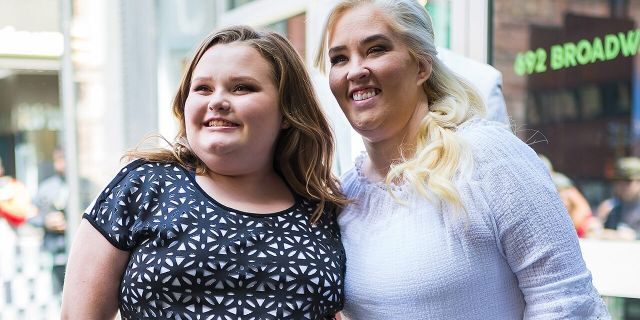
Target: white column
470 28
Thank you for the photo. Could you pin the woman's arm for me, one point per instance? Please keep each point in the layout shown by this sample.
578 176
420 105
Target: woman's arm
93 276
535 233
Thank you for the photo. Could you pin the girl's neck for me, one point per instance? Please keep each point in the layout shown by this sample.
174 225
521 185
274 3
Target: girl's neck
263 192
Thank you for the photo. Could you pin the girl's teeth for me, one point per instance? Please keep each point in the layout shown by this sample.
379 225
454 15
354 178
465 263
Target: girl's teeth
220 123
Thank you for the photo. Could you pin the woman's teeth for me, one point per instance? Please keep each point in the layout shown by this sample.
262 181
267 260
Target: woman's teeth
365 94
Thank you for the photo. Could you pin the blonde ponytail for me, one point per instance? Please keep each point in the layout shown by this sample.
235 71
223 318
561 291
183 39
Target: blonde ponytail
439 150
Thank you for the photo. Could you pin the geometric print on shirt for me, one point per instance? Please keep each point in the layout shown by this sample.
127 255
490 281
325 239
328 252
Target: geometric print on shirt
194 258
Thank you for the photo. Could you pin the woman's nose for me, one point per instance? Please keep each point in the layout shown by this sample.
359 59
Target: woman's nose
358 71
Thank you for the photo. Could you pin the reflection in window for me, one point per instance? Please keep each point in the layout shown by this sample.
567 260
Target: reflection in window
533 109
624 96
566 100
590 101
232 4
563 61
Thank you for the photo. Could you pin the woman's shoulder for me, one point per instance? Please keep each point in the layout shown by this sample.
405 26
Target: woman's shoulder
354 179
485 132
355 171
493 140
494 145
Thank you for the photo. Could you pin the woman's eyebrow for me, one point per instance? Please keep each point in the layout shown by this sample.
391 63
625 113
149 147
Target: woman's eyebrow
367 40
374 38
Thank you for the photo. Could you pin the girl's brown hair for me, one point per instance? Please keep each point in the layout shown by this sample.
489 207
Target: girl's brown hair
304 151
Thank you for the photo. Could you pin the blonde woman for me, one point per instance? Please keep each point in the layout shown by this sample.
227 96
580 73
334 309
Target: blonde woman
453 216
237 220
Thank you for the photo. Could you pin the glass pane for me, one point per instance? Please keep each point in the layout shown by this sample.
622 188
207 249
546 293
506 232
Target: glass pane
440 11
571 72
237 3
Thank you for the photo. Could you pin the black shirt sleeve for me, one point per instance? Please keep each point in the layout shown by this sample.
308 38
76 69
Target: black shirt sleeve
116 212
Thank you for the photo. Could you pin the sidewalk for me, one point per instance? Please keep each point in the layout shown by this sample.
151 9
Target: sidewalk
25 276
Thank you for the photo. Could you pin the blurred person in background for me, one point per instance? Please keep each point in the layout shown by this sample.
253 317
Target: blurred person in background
576 204
15 201
453 216
621 213
51 201
238 219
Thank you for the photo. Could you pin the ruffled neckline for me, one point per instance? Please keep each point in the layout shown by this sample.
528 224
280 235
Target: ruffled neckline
402 187
359 162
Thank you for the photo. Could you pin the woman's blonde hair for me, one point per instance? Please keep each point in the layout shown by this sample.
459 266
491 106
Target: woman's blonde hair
304 151
452 101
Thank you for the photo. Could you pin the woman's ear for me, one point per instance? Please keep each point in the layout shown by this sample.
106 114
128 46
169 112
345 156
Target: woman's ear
285 124
425 67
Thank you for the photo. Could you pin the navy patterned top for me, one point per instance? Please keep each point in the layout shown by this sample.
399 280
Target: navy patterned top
194 258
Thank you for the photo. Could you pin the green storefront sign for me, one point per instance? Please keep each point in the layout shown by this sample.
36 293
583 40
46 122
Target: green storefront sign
582 52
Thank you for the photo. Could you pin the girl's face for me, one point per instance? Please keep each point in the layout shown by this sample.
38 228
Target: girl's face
232 114
376 81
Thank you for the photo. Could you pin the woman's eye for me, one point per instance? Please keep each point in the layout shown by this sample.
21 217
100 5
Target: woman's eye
376 49
337 59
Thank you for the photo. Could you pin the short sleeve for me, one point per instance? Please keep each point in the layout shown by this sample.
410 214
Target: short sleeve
115 212
534 231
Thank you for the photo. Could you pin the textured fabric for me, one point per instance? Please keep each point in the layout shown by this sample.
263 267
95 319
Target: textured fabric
514 254
193 258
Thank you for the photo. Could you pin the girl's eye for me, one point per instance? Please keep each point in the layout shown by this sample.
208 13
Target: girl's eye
201 88
337 59
242 88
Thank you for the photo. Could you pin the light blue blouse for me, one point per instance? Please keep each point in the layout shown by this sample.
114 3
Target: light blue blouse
514 254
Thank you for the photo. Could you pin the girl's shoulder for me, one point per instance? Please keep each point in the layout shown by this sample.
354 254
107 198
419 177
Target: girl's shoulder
142 167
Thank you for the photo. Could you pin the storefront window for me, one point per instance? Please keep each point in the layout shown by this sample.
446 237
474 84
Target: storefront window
571 82
571 73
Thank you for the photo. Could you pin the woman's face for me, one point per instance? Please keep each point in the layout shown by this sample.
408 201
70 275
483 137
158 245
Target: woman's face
232 115
376 81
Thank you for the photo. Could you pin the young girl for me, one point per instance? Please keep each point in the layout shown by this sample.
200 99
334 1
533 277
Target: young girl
237 220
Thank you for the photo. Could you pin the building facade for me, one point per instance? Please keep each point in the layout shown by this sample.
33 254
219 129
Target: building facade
108 72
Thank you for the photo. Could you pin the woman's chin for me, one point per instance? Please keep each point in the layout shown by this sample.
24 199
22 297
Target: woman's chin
365 127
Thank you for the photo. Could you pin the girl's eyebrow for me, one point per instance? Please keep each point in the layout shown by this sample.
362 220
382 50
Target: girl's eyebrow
243 78
233 78
202 78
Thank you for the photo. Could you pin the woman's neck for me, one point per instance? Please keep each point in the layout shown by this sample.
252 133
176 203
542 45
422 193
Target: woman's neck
383 153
